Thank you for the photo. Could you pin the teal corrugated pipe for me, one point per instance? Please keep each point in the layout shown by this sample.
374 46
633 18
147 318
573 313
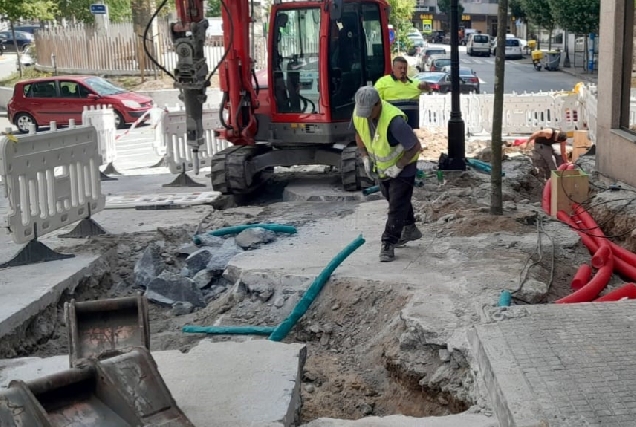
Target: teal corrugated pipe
229 330
505 299
278 228
314 290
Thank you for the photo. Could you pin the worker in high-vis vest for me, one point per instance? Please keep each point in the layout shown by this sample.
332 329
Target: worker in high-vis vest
390 151
403 92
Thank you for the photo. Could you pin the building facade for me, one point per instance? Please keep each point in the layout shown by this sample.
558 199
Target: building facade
480 15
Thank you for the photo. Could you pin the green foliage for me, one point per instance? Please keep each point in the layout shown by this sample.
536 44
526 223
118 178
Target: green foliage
444 7
400 18
577 16
32 9
516 9
539 12
214 8
118 10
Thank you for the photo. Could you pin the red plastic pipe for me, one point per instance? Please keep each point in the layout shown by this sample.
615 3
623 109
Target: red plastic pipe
626 291
600 257
582 276
594 287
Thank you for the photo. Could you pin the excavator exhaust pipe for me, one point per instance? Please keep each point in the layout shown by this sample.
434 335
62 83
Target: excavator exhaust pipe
124 390
98 327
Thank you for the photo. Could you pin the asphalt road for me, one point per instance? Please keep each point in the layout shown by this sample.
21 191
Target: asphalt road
520 74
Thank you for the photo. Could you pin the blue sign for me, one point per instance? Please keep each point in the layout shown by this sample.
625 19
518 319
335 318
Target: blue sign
391 35
99 9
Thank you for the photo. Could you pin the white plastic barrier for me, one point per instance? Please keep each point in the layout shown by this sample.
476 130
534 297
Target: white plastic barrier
588 105
523 113
102 118
51 180
177 152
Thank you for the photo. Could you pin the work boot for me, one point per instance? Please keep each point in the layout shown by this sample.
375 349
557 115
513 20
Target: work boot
409 234
387 254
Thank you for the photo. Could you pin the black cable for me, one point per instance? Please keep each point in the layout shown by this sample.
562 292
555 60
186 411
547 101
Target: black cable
154 61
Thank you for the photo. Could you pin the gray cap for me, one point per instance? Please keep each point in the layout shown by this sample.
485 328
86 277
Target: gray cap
366 98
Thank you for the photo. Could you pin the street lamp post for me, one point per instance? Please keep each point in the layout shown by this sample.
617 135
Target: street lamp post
456 127
566 61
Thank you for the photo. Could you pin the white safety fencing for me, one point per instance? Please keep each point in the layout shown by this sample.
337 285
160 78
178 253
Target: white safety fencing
588 104
173 143
523 113
102 118
51 179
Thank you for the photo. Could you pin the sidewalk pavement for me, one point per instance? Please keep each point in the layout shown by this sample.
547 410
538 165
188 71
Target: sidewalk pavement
576 72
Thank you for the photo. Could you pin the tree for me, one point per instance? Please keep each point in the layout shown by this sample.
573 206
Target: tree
444 7
496 191
577 16
539 13
214 8
517 10
400 18
118 10
14 10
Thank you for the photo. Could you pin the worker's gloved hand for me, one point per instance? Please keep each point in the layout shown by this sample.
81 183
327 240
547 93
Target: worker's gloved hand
368 166
393 171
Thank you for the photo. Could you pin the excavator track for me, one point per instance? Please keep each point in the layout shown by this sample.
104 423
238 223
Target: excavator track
352 170
228 172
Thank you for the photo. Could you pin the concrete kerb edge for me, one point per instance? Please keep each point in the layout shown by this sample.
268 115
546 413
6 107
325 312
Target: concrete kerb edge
108 259
509 414
292 418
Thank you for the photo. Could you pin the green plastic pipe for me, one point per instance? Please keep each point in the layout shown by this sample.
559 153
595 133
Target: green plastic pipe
229 330
278 228
308 298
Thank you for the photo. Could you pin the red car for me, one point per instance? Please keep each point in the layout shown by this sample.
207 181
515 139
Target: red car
61 98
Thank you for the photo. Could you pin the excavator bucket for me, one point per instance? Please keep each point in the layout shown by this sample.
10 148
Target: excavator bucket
95 327
124 390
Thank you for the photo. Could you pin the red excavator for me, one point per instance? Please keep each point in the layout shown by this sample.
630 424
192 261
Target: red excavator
298 110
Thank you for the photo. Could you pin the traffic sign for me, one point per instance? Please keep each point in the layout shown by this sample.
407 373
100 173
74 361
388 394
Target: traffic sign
391 35
99 9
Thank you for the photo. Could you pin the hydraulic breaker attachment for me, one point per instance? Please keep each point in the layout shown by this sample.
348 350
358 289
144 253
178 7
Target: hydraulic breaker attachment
124 390
96 327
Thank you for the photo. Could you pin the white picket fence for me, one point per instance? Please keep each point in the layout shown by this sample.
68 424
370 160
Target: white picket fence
51 179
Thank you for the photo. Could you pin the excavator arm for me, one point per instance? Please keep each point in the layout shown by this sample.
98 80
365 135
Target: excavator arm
236 70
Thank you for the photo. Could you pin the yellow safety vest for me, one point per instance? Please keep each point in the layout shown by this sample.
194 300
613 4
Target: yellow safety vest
383 155
404 95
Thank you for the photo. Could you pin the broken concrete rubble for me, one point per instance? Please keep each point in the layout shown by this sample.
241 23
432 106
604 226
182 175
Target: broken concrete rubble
169 288
254 237
149 266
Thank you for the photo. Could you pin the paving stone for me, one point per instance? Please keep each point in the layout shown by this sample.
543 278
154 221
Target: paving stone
568 365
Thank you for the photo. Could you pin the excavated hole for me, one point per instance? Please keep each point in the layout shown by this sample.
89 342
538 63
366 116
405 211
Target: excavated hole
353 367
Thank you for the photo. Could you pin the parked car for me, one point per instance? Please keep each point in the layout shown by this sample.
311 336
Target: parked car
440 82
427 53
513 48
478 44
61 98
23 39
26 57
436 63
468 76
436 36
417 44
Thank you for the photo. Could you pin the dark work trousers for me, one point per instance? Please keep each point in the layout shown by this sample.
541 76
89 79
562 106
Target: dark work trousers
398 191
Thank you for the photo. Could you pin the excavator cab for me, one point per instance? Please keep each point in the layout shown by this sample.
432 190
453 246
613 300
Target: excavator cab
319 53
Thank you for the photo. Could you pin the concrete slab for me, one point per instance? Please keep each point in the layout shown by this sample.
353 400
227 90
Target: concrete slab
27 290
254 383
151 184
460 420
447 277
561 365
319 188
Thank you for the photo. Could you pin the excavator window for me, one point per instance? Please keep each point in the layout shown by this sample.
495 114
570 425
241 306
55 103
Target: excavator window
356 55
295 60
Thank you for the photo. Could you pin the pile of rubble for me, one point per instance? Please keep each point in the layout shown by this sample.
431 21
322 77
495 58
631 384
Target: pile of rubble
192 276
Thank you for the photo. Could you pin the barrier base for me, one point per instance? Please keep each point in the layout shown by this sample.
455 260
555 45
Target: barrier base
183 180
85 228
104 177
35 252
111 170
160 164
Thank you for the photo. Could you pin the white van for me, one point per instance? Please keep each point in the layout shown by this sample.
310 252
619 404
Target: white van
478 44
